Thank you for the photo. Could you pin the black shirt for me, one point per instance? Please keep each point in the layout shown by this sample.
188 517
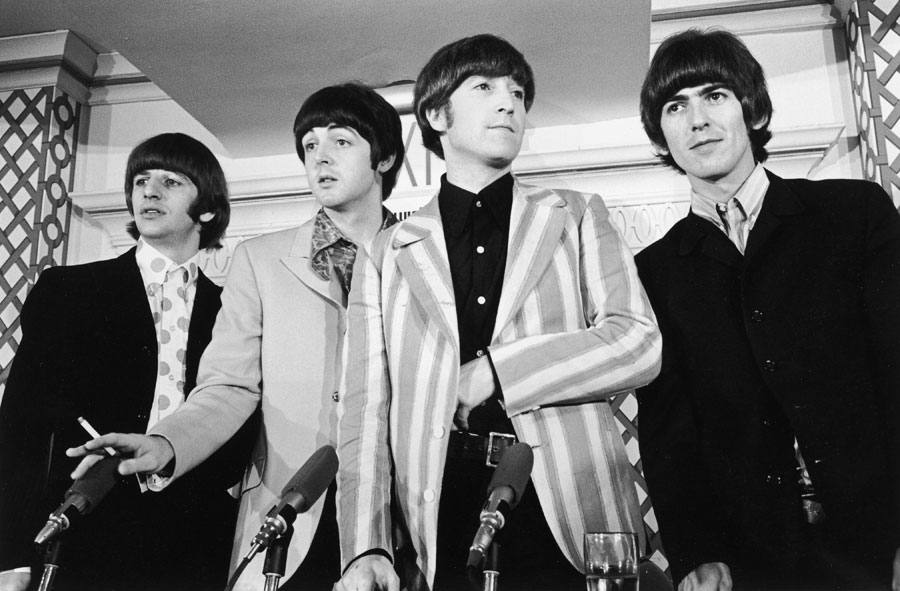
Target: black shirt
476 231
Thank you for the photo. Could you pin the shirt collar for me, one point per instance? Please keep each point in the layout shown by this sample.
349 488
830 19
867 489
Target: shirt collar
154 265
456 203
326 233
750 195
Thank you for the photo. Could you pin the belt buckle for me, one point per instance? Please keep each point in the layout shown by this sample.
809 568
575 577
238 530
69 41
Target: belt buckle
492 454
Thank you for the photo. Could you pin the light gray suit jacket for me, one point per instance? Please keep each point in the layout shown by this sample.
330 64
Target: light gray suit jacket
277 342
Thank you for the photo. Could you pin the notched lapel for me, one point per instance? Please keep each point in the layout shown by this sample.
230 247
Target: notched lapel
711 241
779 204
537 222
423 262
298 263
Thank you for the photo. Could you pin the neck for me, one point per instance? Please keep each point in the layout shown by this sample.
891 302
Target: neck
360 223
177 252
723 188
474 178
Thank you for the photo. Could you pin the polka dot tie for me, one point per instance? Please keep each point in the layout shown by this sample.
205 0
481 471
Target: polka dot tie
172 323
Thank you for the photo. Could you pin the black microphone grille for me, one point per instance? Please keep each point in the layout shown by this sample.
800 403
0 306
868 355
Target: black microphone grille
513 470
314 475
96 482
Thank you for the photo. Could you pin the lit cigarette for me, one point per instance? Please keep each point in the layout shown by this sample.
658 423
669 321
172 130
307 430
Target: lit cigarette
93 433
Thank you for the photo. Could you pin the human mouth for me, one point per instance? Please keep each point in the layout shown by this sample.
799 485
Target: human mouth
151 212
326 179
703 143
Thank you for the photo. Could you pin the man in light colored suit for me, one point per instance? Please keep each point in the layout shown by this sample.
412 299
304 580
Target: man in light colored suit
498 307
277 342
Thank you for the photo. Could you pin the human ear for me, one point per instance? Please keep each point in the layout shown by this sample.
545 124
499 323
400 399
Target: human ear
207 216
386 164
759 124
437 119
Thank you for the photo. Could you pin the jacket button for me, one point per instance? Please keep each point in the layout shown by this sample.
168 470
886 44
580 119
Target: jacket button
769 365
335 396
438 432
428 495
756 316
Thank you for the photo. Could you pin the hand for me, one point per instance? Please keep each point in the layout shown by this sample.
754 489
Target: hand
895 583
709 576
150 453
373 572
476 384
12 581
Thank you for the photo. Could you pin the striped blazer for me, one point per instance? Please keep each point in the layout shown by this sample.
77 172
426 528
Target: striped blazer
573 328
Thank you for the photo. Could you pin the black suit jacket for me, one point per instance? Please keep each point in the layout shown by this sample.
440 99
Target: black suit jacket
799 337
89 349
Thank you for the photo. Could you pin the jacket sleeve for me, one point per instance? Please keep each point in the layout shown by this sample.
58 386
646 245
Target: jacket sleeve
364 477
27 421
617 351
881 321
230 375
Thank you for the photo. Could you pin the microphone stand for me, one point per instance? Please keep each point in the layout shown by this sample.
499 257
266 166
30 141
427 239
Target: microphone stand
486 575
276 557
492 568
51 565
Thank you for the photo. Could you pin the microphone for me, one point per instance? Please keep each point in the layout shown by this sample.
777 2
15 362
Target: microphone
504 493
298 495
81 498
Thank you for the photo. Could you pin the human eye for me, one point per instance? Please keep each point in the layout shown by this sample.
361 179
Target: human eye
519 94
482 85
718 95
672 108
140 181
343 142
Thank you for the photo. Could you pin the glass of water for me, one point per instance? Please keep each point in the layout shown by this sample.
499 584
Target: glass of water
611 561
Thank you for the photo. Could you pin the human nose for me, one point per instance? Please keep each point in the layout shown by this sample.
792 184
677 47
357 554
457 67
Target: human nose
322 154
152 189
697 116
506 101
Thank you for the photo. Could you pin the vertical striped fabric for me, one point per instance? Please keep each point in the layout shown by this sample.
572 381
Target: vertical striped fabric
574 327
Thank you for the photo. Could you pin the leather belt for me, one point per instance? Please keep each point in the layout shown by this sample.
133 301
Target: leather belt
479 448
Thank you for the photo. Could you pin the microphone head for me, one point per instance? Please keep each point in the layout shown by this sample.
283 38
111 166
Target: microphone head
94 484
313 477
513 470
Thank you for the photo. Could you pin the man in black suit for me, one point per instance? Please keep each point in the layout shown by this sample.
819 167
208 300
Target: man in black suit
118 342
779 305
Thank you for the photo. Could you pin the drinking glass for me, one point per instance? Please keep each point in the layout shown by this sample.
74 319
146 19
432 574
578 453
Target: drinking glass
611 561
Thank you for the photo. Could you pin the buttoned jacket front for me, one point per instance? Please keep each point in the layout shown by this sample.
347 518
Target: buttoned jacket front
799 337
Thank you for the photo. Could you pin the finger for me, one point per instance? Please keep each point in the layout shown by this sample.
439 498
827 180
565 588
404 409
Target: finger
461 418
143 464
84 465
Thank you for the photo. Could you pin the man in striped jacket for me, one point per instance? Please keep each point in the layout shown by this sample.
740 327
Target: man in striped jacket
497 308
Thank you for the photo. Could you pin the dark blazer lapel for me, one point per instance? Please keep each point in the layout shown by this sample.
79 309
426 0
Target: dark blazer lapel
422 261
712 242
203 317
779 203
130 325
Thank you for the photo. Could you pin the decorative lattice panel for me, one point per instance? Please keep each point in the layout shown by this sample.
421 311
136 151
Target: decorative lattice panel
873 38
38 135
